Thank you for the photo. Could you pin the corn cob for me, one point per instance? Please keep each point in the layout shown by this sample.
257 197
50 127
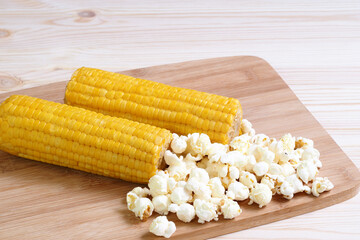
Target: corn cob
81 139
179 110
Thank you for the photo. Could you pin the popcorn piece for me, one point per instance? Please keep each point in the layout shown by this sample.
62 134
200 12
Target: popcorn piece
198 144
260 139
321 185
240 160
230 209
131 197
217 169
241 143
141 192
271 181
200 174
186 212
246 127
261 168
260 194
312 154
237 191
301 142
197 183
143 208
217 147
158 185
286 143
234 172
287 169
251 161
263 154
275 169
248 179
180 195
162 227
161 204
307 171
172 158
173 208
178 145
205 211
226 181
296 183
171 184
287 190
217 189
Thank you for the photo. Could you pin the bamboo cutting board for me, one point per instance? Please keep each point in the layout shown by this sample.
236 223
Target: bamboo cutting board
41 201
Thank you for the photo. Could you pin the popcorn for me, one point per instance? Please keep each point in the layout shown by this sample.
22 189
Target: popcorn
240 160
234 172
321 185
230 209
141 192
172 159
263 154
261 168
198 144
246 127
180 194
200 174
307 171
158 185
260 194
178 172
241 143
185 212
301 142
260 139
286 143
217 189
143 208
250 163
160 226
296 183
217 147
271 181
248 179
275 169
312 154
237 191
205 211
178 144
287 190
161 204
287 169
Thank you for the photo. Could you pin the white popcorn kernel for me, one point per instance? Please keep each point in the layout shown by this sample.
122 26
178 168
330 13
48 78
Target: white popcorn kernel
287 190
312 154
141 192
200 174
248 179
198 144
185 212
307 171
263 154
178 145
260 139
160 226
205 211
223 171
191 158
172 159
201 190
171 184
287 169
234 172
217 189
158 185
240 143
178 172
237 191
321 185
226 181
173 208
271 181
180 195
246 126
230 209
251 161
143 208
217 147
287 143
301 142
261 168
296 183
275 169
260 194
237 159
161 204
130 200
307 189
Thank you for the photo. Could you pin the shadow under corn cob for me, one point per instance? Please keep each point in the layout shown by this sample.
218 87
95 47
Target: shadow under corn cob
81 139
179 110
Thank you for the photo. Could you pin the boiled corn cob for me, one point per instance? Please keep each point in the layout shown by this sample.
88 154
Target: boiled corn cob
81 139
179 110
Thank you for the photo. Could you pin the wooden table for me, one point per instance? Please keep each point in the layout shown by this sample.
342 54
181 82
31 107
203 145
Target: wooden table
313 45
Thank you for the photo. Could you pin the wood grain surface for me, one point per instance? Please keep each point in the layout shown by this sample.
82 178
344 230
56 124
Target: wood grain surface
313 45
40 196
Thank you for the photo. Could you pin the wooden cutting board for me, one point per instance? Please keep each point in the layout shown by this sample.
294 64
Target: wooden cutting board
41 201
